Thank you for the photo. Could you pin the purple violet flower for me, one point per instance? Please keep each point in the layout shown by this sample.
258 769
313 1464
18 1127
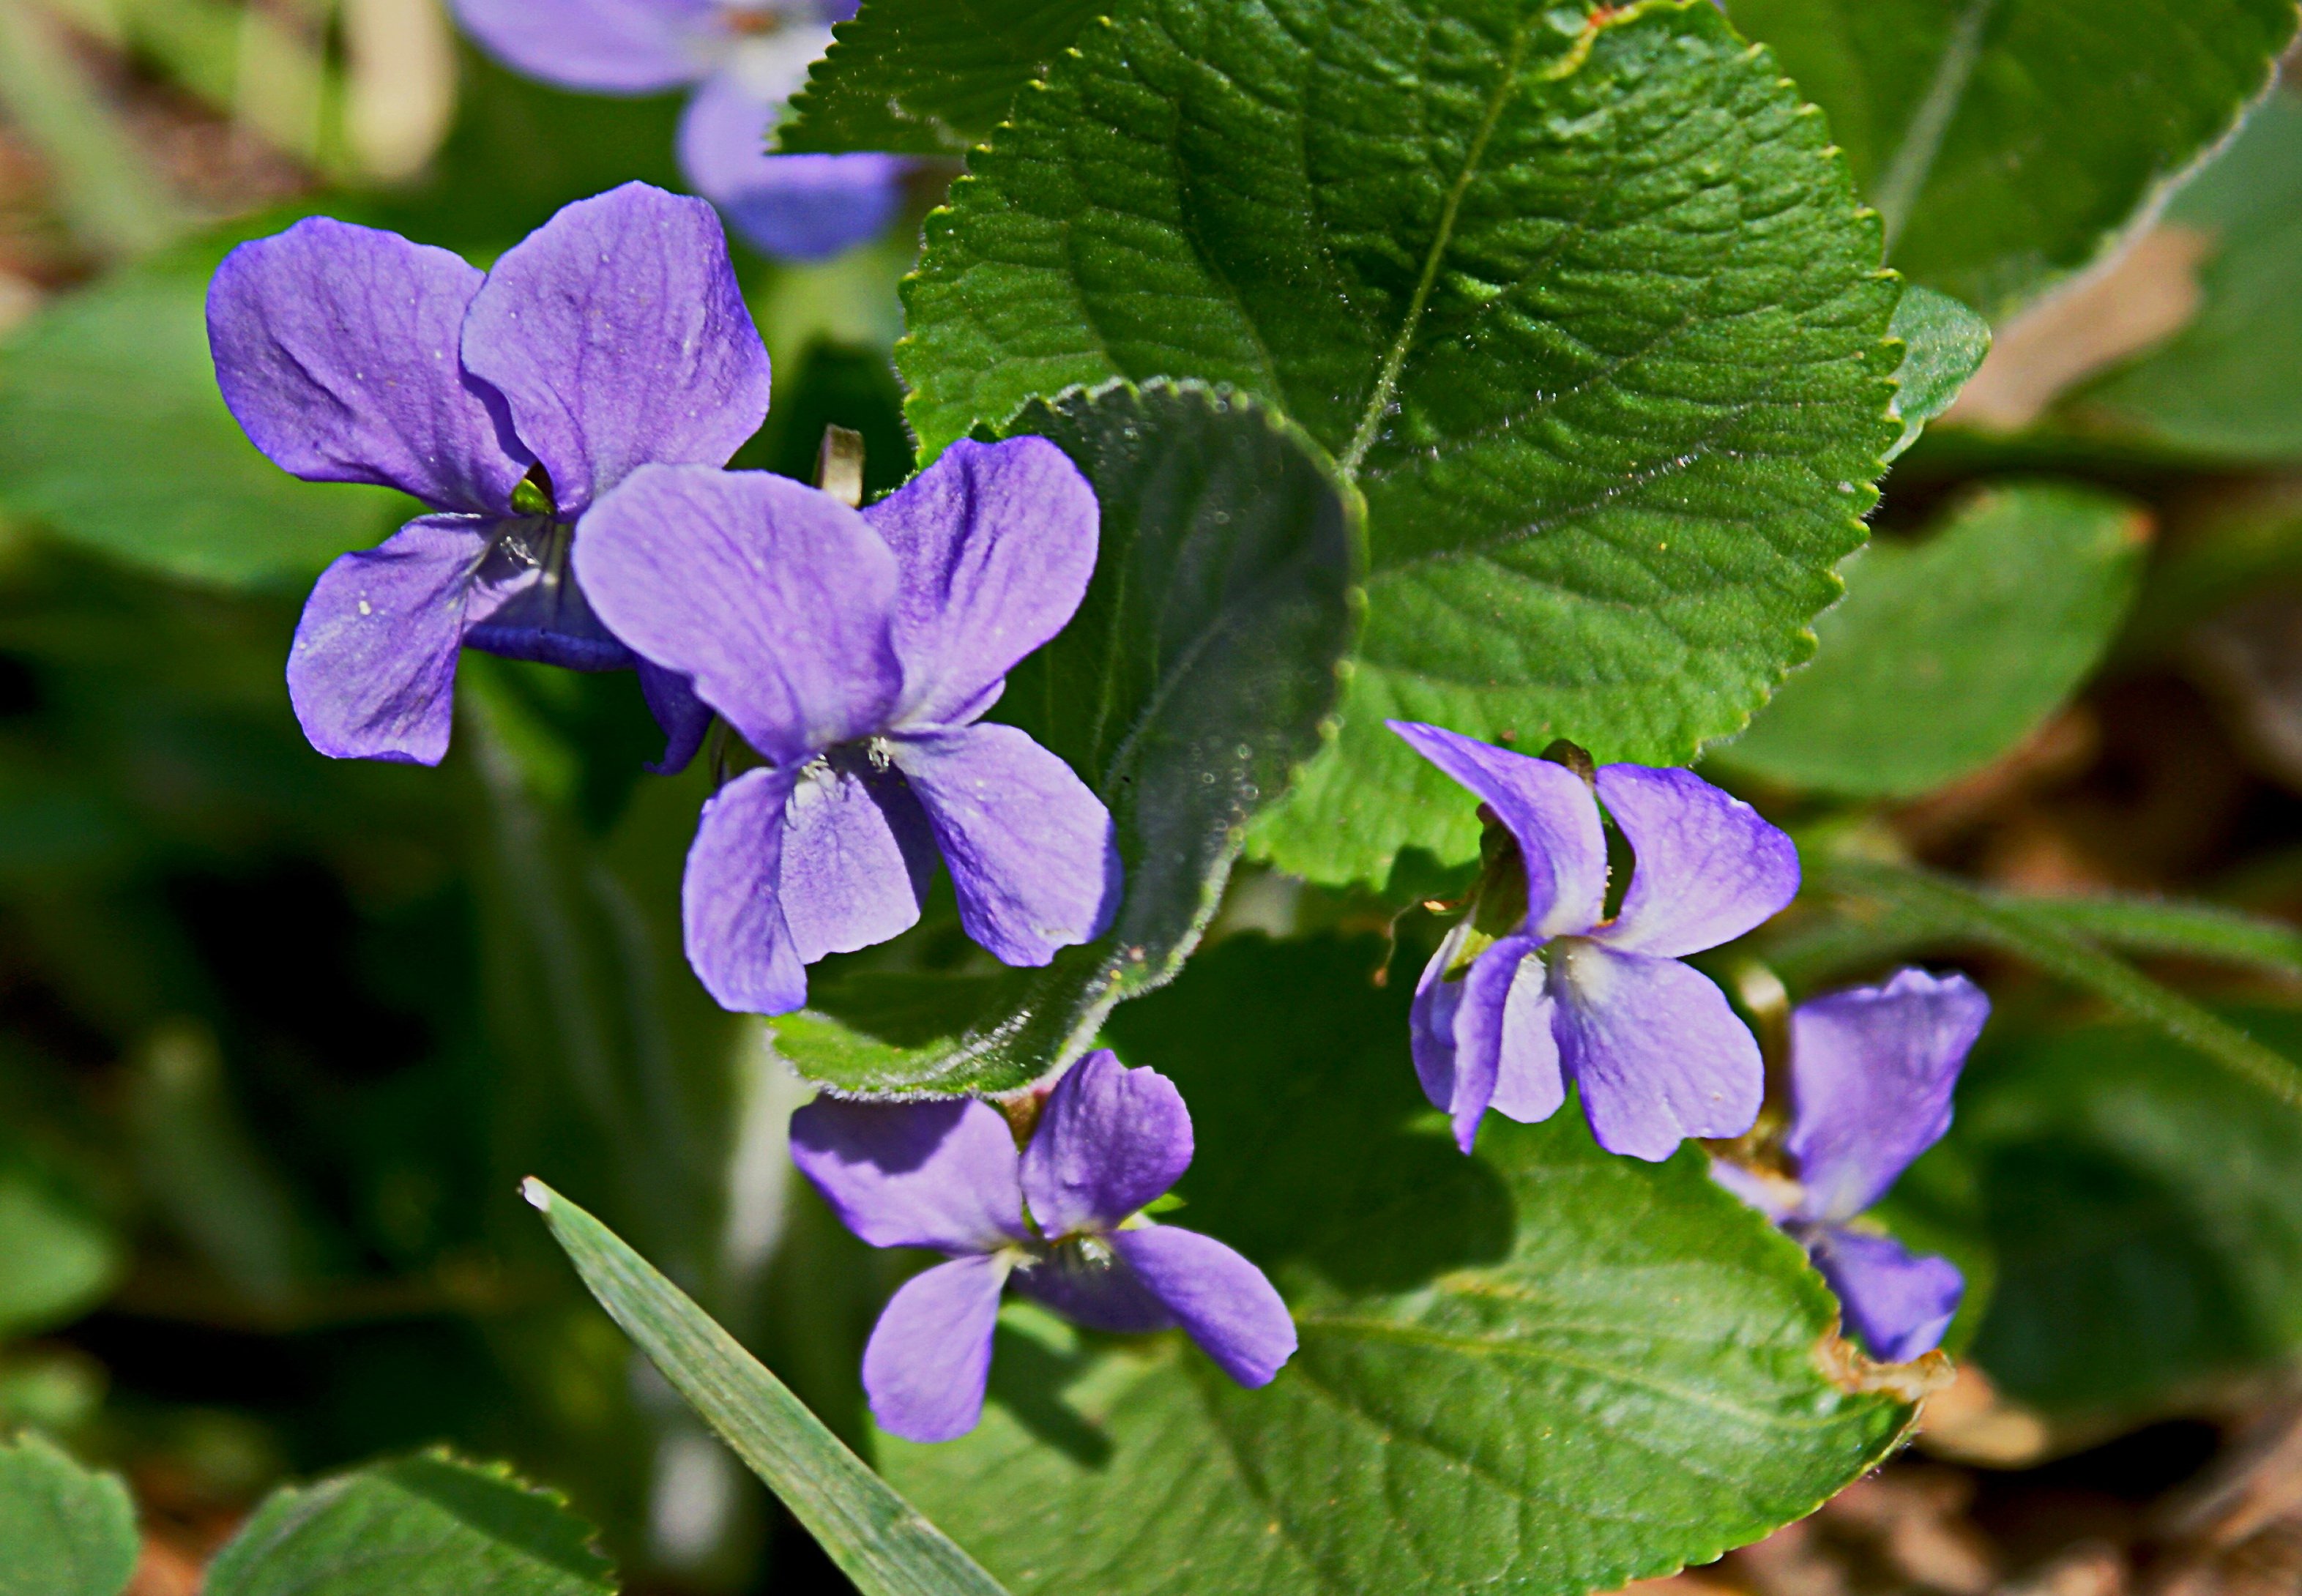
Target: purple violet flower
947 1176
856 651
508 402
746 57
1565 994
1871 1074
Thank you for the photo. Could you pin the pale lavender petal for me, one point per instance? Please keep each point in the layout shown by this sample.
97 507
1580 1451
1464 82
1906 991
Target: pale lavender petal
684 717
1110 1140
1871 1075
1546 808
1085 1282
607 46
1530 1079
336 350
737 942
930 1356
1897 1303
1658 1055
372 672
939 1174
1708 867
526 604
1773 1196
996 542
797 207
1031 850
771 597
1431 1019
617 336
1223 1301
857 856
1502 1024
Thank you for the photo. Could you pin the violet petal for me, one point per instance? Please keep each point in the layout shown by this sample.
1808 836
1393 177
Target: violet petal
1110 1140
1871 1075
1431 1019
1547 809
1487 1026
607 46
617 336
1774 1196
1097 1292
930 1356
1898 1303
1530 1079
796 207
1222 1302
996 542
1656 1053
857 856
939 1174
684 718
1031 850
771 597
372 672
732 913
1710 867
526 604
335 346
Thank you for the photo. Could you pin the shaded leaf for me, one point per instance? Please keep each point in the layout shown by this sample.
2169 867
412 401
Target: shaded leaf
877 1537
1943 345
1944 656
1544 1369
1195 678
2008 143
58 1257
1588 312
427 1525
928 77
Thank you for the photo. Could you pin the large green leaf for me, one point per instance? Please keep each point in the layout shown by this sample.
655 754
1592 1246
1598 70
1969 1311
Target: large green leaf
1542 1369
2008 142
1587 311
1944 655
1196 677
113 434
63 1531
2145 1216
928 77
877 1537
2229 386
427 1525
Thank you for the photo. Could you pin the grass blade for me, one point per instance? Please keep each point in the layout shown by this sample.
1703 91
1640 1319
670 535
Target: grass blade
879 1540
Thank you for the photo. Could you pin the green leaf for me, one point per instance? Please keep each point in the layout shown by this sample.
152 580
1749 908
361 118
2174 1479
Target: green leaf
1945 655
1542 1369
1960 914
928 77
65 1531
1943 345
2145 1217
2229 386
2008 143
1588 313
58 1258
427 1525
1196 677
876 1536
113 436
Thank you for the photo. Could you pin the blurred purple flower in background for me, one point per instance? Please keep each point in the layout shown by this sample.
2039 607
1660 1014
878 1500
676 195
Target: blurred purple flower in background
611 336
746 57
1568 994
947 1176
1872 1070
856 651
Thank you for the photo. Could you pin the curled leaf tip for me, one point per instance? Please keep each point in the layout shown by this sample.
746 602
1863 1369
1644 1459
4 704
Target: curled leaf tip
538 1194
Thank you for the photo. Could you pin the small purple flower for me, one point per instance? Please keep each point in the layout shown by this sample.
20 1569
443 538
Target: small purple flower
612 336
946 1176
856 651
1565 994
747 57
1871 1074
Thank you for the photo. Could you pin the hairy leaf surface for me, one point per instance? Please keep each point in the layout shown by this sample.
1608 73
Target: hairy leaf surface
1587 310
1542 1369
